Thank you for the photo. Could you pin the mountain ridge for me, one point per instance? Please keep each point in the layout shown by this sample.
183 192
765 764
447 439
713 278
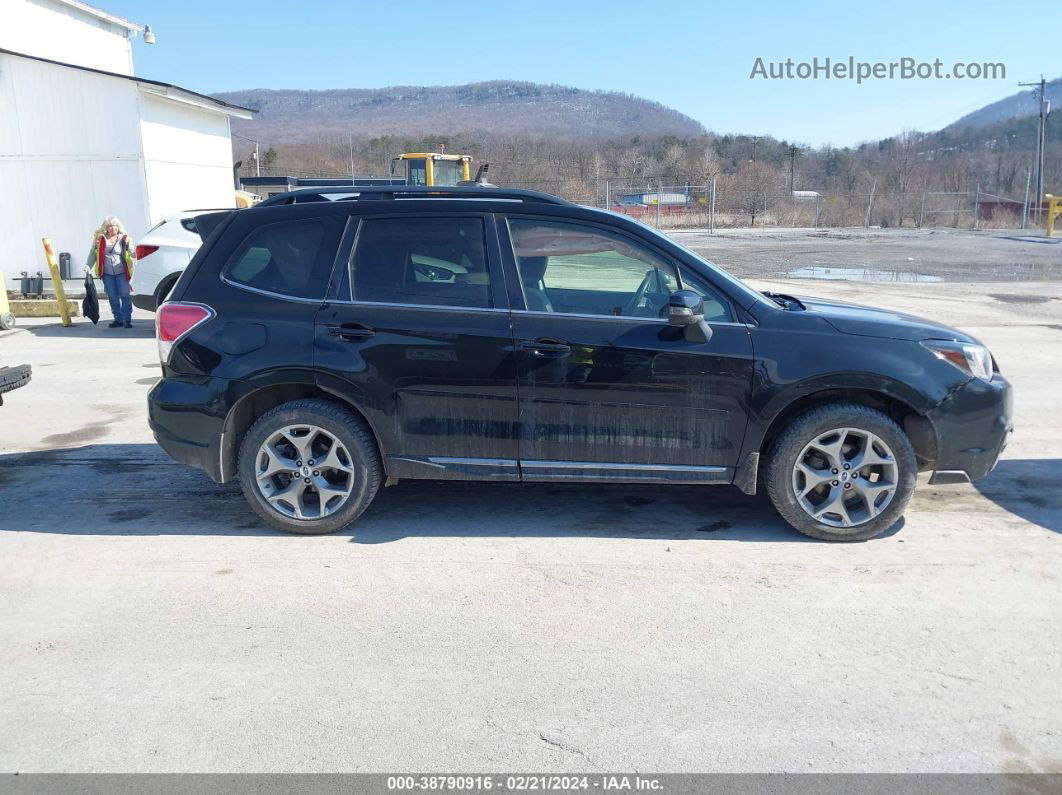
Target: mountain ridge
496 106
1017 105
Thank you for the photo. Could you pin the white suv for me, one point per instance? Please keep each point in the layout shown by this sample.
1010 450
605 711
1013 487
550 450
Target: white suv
161 257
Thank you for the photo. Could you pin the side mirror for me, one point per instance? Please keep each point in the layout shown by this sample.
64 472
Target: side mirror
685 309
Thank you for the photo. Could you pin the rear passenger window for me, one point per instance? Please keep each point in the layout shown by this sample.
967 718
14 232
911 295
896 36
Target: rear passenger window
293 258
433 261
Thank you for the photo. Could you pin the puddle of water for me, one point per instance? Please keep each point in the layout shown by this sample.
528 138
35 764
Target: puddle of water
860 275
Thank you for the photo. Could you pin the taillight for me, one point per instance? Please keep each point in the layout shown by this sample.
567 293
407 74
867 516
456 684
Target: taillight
174 320
143 251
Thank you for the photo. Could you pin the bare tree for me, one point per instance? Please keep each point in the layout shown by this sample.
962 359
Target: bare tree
753 183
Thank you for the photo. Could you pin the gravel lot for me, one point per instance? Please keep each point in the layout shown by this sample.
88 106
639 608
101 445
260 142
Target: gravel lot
883 255
150 623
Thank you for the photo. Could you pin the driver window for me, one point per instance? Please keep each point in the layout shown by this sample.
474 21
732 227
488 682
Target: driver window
579 269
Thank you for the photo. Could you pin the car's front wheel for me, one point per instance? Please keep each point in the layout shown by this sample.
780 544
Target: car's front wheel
841 472
309 466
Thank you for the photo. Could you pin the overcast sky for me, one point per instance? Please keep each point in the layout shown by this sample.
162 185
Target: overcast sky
696 57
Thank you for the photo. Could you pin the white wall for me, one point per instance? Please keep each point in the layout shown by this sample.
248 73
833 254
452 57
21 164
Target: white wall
51 29
64 162
187 156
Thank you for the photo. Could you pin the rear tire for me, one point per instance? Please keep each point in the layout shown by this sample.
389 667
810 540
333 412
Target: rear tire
841 472
163 291
309 467
7 321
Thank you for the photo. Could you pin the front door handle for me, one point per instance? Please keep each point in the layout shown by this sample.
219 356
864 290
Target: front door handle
351 332
546 346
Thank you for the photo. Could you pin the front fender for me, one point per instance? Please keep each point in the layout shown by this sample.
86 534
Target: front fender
805 357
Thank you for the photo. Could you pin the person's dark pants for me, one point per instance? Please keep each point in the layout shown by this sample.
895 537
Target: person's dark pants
117 288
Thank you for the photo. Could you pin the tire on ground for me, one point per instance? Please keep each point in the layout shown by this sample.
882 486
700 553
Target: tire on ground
809 426
345 426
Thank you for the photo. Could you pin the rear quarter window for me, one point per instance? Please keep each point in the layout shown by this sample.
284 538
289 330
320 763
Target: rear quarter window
292 258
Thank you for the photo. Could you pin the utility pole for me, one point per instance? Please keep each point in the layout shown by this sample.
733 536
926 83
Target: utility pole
793 152
350 141
1025 204
1045 108
870 204
257 161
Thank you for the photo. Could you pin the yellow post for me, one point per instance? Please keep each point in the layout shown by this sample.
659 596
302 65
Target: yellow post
1054 209
57 282
7 320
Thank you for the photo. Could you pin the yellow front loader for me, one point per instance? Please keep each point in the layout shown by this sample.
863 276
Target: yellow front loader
431 168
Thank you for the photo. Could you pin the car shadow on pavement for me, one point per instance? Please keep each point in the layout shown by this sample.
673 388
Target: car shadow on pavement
1027 487
135 489
81 328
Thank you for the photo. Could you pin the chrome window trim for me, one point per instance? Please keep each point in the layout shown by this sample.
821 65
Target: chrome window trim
618 317
269 293
448 308
436 307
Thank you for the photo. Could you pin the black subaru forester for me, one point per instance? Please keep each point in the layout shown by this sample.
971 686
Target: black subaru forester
322 346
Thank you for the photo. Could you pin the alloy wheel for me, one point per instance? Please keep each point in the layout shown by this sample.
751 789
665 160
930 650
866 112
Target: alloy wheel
304 472
845 477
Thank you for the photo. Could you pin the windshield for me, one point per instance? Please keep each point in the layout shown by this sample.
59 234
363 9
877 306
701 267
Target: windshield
740 291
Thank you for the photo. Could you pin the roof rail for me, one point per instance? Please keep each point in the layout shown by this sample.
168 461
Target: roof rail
388 192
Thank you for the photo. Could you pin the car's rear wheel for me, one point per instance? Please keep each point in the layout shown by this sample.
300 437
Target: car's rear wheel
164 289
309 466
842 472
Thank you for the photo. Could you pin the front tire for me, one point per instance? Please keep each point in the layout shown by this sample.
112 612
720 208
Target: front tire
841 472
309 467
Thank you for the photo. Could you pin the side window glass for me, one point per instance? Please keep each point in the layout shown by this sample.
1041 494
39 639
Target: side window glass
293 258
433 261
446 172
715 308
579 269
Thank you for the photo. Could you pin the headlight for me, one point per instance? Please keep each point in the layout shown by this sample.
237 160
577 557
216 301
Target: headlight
967 356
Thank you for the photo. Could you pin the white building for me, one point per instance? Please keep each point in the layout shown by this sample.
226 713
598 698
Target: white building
81 137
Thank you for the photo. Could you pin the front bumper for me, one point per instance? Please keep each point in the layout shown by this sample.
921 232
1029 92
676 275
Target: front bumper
187 419
973 426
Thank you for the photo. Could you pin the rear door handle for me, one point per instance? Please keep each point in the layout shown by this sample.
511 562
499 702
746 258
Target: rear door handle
351 332
545 346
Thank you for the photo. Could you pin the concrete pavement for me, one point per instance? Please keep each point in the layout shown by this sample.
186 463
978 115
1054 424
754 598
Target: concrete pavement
150 623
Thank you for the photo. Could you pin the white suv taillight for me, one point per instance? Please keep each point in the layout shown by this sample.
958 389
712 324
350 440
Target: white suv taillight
173 320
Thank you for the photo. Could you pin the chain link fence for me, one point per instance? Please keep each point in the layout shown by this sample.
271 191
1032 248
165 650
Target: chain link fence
720 205
723 203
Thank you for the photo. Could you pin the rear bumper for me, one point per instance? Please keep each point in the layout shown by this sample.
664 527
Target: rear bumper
188 421
972 427
144 301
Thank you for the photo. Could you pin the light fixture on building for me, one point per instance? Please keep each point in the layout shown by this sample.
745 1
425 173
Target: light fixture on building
149 35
